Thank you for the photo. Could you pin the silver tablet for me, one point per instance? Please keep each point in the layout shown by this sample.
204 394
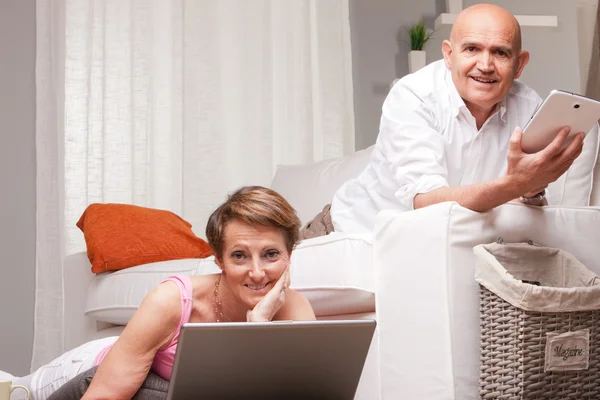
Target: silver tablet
273 360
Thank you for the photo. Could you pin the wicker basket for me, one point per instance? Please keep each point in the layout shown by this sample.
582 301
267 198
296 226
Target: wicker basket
520 321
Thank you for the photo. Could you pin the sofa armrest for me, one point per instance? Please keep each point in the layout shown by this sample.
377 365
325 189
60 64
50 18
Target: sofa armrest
406 244
427 299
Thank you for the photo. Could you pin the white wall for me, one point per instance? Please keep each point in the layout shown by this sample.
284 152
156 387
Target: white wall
17 183
380 53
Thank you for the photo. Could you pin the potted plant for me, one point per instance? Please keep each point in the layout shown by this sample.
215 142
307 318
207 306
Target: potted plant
419 35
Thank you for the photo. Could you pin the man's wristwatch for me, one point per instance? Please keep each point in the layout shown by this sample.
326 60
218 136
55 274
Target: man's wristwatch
535 199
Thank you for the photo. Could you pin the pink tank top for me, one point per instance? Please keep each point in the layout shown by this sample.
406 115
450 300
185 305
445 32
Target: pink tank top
164 359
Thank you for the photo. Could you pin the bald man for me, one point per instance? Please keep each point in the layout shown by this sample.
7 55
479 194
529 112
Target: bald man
451 131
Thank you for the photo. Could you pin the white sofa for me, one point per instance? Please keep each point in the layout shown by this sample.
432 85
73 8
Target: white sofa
413 274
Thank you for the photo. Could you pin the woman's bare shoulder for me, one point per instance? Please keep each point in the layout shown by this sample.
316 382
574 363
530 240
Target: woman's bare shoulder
203 285
296 307
296 298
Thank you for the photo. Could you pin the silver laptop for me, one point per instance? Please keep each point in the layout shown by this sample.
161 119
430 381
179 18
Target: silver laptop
271 360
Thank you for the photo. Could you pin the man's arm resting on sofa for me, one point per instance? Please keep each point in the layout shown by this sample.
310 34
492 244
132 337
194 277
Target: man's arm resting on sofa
527 175
480 197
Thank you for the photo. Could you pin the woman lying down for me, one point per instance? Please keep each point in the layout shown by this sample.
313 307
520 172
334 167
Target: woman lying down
252 235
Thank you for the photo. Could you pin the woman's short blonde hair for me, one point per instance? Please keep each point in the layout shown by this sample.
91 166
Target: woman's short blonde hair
254 205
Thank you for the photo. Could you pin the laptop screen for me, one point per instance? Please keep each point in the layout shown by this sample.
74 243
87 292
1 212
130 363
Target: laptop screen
281 359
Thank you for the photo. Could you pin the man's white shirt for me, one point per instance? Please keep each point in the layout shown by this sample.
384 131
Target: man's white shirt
428 139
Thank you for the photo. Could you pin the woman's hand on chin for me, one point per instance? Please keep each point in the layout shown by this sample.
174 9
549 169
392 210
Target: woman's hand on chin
269 305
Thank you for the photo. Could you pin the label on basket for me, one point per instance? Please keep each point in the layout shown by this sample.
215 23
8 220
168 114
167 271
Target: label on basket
567 351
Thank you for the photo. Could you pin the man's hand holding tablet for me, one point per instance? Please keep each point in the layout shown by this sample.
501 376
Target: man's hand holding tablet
531 173
550 143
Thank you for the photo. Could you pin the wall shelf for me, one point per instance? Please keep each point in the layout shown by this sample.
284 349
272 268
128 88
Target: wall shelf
524 20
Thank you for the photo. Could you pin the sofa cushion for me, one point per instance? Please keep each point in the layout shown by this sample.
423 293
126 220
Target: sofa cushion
113 297
595 196
120 236
308 188
575 187
333 272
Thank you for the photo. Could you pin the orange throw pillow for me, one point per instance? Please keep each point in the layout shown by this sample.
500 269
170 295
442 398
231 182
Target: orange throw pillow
120 236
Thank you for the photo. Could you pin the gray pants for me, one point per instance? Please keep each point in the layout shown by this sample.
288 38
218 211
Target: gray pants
153 388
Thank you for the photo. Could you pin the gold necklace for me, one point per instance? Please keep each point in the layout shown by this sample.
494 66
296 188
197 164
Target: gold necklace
217 305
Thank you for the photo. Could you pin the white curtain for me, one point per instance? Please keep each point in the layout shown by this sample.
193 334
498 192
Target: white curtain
173 104
50 232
